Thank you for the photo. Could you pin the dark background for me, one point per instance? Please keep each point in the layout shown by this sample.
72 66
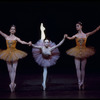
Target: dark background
59 18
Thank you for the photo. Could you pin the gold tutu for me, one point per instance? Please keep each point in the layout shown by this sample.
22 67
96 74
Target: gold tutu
11 53
81 51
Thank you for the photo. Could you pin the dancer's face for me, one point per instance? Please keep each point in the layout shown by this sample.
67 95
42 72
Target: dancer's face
12 30
46 43
78 27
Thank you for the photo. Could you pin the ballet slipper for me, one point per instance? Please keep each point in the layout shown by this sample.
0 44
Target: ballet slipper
12 87
44 86
80 85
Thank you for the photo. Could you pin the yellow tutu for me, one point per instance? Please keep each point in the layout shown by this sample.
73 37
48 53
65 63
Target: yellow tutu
81 51
11 53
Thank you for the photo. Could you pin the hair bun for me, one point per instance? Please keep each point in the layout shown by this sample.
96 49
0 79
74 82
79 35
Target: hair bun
79 23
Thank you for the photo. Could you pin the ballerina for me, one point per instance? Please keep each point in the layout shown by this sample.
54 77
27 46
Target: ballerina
45 53
81 52
11 55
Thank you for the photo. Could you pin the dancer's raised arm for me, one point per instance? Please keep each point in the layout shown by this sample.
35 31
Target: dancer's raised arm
92 32
59 44
3 34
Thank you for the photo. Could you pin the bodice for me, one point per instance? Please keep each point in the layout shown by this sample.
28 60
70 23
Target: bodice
46 52
11 43
81 42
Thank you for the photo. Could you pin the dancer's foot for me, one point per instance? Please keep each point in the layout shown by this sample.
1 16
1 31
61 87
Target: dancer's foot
12 87
44 86
80 85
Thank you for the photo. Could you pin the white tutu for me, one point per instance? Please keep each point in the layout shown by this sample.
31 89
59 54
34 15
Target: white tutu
45 62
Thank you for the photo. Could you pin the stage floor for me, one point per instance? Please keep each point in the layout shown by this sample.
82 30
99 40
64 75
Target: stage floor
59 86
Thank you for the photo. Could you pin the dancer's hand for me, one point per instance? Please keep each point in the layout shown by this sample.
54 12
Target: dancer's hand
30 43
0 32
98 28
65 35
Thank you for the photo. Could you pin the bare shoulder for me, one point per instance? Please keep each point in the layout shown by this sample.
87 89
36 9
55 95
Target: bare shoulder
7 37
76 35
85 35
16 38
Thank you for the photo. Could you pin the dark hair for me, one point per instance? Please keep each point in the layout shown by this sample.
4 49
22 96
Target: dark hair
80 23
46 39
13 26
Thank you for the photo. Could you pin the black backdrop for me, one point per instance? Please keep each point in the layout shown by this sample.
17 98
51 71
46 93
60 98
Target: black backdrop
59 17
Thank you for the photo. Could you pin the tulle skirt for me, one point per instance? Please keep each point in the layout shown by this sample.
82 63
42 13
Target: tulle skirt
83 52
12 54
41 60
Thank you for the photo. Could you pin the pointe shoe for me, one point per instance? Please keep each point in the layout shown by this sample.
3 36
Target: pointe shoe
44 86
12 87
80 86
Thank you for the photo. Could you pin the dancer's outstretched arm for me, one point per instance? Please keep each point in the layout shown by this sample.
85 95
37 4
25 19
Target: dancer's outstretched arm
92 32
3 34
59 44
70 38
23 42
38 47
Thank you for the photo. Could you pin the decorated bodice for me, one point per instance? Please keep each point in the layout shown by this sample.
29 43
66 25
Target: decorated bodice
11 43
81 42
46 52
